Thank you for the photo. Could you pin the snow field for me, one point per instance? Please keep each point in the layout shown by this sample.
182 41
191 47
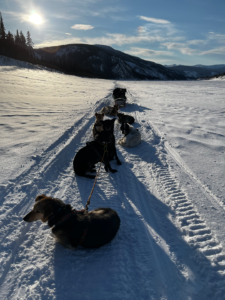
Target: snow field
171 241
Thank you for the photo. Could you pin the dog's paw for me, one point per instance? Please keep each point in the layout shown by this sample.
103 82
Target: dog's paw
119 162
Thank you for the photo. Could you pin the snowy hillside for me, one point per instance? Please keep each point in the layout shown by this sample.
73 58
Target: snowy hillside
221 77
7 63
106 62
169 191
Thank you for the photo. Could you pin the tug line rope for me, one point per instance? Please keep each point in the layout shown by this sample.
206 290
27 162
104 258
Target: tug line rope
89 198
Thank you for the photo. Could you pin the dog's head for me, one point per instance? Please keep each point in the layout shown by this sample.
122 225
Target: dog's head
99 116
43 208
108 125
116 107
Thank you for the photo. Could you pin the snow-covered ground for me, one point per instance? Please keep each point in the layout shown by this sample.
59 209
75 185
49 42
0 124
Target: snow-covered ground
168 192
218 78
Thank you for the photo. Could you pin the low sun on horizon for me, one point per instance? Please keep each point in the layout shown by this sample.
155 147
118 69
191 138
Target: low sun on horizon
36 19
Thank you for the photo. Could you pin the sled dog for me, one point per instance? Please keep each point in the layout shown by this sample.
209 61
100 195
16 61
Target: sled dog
132 137
125 118
73 228
98 127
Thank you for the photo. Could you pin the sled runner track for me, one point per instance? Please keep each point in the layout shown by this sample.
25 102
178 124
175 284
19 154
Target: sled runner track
194 229
38 177
39 173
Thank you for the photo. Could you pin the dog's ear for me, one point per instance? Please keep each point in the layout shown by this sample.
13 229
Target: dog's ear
48 211
40 197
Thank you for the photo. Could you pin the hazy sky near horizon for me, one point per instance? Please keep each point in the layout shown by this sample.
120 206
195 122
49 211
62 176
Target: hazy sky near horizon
184 32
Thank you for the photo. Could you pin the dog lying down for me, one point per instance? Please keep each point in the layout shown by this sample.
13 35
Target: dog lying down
132 137
72 228
125 118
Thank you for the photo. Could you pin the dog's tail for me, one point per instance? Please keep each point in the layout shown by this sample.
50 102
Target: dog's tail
121 142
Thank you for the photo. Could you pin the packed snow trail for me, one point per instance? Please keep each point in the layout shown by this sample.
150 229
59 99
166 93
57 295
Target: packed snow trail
54 176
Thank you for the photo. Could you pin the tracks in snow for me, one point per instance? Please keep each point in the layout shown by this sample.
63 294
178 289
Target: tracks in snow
148 251
18 196
207 252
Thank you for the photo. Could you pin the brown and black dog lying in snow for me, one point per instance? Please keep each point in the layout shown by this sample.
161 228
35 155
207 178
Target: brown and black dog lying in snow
72 228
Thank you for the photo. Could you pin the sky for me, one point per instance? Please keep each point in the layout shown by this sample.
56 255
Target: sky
186 32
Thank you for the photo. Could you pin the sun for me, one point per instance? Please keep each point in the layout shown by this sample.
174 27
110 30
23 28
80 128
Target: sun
36 19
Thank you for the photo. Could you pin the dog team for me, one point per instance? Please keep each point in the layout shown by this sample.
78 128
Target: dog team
99 226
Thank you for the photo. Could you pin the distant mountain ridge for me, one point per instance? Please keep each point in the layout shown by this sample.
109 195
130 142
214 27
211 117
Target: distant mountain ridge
107 63
198 71
211 67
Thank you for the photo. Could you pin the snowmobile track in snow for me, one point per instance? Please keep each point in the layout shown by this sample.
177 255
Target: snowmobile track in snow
194 229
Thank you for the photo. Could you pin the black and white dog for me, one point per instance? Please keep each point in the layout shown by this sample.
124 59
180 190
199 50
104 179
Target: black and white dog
132 137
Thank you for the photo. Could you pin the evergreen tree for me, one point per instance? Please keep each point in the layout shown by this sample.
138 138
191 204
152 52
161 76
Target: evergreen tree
9 38
30 43
2 28
22 39
17 38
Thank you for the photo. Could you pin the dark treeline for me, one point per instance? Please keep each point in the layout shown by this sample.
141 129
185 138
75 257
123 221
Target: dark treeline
20 47
16 46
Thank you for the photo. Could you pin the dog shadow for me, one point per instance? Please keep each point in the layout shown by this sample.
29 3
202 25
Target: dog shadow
132 107
119 267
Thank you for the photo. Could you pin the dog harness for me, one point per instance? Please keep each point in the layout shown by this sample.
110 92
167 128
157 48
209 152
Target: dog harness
66 217
90 144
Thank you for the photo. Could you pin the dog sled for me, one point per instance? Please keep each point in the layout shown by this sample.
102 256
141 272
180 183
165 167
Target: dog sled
119 96
120 102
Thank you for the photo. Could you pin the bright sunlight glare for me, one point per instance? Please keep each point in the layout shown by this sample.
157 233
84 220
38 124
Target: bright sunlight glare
36 19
